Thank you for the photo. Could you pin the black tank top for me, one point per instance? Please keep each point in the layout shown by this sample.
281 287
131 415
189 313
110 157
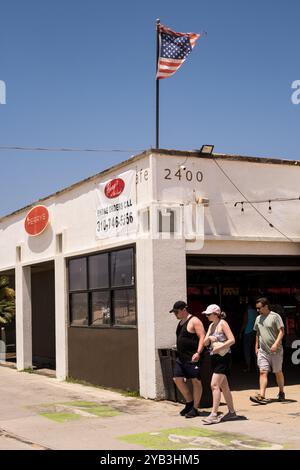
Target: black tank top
187 343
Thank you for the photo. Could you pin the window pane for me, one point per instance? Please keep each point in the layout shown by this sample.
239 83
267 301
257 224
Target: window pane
124 307
98 271
79 309
122 268
100 308
77 274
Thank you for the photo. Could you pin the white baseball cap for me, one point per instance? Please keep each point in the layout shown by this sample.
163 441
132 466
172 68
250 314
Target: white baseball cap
212 308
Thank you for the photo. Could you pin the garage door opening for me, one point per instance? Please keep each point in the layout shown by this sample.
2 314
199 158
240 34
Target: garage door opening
8 320
43 315
231 281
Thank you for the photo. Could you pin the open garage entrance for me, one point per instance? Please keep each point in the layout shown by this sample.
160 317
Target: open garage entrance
8 321
231 281
43 315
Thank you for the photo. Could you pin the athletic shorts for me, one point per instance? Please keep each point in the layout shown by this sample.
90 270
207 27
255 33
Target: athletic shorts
188 370
270 362
221 364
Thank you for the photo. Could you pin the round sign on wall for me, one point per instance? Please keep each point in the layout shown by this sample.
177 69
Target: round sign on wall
114 188
36 220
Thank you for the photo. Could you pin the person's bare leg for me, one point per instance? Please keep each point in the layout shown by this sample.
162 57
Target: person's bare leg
197 392
227 394
216 392
263 382
187 395
183 388
280 380
216 381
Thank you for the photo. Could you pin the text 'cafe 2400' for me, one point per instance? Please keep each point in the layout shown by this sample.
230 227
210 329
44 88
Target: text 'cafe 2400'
97 266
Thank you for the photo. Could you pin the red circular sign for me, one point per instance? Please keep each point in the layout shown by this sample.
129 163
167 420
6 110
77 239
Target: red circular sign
114 188
36 220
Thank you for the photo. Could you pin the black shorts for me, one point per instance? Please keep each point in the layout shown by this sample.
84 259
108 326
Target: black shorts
189 370
221 364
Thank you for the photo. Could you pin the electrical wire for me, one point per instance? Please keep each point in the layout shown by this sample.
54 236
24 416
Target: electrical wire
67 149
279 199
251 203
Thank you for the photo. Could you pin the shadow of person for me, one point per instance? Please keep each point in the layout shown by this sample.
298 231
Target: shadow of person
235 418
285 401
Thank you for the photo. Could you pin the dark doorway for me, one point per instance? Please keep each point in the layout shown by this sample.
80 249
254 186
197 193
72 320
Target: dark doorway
231 281
8 330
43 315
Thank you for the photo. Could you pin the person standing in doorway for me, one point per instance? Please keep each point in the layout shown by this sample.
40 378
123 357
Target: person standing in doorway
190 337
269 333
218 339
248 335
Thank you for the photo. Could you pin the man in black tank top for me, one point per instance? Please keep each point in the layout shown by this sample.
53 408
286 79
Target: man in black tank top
190 336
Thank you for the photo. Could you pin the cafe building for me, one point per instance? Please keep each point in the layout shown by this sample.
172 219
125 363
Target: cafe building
97 266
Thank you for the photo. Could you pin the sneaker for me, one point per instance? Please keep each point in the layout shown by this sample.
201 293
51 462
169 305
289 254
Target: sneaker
211 419
281 396
230 416
259 399
192 413
188 407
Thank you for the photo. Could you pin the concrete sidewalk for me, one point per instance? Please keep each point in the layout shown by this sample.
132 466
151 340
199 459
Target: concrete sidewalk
38 412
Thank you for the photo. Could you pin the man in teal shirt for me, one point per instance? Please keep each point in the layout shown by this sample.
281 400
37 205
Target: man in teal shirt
268 348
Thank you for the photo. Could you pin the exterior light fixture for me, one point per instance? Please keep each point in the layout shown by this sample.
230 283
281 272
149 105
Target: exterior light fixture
207 149
203 200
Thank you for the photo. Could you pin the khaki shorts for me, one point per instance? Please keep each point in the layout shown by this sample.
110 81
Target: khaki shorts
270 362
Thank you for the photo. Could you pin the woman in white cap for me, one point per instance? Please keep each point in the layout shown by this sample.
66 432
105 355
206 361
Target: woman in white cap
219 338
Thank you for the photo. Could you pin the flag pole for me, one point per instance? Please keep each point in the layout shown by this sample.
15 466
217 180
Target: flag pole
157 84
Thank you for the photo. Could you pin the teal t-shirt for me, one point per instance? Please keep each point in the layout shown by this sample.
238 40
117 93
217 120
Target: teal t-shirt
267 327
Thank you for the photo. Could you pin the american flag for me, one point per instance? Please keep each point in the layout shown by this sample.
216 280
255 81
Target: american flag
173 50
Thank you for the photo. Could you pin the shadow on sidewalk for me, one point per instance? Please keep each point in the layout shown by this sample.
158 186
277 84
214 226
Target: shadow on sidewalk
240 380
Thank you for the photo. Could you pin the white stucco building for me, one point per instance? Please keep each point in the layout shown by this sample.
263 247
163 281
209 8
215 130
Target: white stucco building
207 228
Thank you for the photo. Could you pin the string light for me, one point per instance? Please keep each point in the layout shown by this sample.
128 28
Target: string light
270 208
246 201
278 199
269 201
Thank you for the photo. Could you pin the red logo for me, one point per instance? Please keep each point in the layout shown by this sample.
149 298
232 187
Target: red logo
114 188
36 220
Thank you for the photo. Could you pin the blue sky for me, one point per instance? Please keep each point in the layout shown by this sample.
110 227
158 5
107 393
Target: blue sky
81 73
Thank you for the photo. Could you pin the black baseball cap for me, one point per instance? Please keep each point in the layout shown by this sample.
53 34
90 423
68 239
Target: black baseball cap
179 305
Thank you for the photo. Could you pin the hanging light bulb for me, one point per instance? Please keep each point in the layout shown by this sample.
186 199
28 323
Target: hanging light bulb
270 208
